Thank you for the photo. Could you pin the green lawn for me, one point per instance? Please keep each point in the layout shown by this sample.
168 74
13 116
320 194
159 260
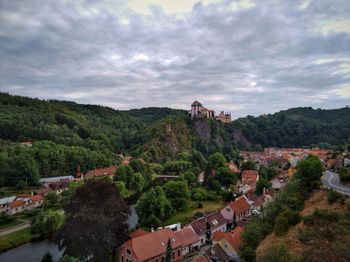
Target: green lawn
15 239
186 215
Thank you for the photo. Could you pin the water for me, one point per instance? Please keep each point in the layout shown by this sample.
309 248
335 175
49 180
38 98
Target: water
31 252
34 251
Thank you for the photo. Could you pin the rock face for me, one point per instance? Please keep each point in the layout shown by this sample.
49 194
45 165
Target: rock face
202 130
238 136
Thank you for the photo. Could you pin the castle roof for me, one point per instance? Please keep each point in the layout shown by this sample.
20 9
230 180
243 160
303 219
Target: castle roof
196 103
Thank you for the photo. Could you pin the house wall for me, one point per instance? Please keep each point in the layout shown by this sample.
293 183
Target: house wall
226 246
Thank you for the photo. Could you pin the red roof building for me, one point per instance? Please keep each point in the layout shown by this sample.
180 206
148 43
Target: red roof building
250 177
236 210
229 241
107 171
151 246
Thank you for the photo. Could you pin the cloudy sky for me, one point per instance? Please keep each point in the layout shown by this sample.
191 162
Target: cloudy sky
242 56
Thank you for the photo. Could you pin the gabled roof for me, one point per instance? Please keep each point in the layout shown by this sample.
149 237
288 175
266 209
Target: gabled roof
240 205
36 198
250 174
138 232
154 244
17 203
233 237
217 253
196 103
107 171
187 236
200 225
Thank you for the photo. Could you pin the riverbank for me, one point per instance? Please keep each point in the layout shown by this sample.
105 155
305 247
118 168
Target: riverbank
15 239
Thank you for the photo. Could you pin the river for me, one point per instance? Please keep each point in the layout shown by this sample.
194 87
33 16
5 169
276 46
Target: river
34 251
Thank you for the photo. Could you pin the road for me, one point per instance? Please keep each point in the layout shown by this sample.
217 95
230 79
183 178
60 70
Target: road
13 229
331 180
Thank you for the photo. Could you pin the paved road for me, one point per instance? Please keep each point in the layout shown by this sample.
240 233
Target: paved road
13 229
331 180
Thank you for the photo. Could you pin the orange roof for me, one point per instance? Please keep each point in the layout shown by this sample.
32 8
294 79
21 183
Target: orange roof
152 245
36 198
240 205
107 171
17 203
233 237
187 236
250 174
218 235
138 232
236 240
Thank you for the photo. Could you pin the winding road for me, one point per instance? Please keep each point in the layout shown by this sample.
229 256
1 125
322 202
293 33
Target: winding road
331 180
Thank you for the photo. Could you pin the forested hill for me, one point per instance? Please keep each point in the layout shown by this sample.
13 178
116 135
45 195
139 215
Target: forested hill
293 128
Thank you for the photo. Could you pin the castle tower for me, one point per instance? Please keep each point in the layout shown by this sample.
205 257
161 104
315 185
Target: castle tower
196 108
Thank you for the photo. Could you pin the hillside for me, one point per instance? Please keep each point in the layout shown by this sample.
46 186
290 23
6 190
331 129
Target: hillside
324 232
293 128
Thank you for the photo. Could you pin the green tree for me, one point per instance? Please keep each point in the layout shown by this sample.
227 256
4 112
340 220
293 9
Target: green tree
261 184
178 194
169 252
281 226
248 254
309 171
225 176
52 200
152 207
190 178
217 160
248 165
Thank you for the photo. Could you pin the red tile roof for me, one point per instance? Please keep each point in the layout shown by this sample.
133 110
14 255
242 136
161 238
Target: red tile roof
233 237
138 232
187 236
16 203
200 224
36 198
240 205
107 171
250 174
152 245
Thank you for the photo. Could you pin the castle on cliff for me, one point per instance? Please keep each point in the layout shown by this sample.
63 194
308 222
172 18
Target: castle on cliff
198 111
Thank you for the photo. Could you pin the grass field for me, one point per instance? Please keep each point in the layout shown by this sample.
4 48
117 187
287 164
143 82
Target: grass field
188 214
11 224
15 239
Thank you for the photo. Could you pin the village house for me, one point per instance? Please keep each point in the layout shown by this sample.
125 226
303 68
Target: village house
233 167
101 172
5 202
205 226
250 177
236 211
48 180
24 202
151 246
217 254
230 242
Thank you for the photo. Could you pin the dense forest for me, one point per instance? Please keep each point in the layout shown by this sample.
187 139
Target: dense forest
293 128
66 134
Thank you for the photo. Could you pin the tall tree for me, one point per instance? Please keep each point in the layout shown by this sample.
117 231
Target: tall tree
96 221
169 252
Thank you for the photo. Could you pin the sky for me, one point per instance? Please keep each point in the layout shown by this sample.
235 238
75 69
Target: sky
240 56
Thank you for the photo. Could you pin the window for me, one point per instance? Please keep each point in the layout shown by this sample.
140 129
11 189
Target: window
128 251
156 260
173 255
162 259
202 241
122 258
178 253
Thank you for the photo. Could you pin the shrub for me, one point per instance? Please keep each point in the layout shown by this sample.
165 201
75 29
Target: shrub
198 214
248 254
199 205
277 253
333 196
281 226
211 196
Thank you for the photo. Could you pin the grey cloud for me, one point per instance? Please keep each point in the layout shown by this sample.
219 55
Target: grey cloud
248 61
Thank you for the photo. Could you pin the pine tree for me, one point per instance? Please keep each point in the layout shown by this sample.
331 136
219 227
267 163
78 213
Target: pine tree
169 252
